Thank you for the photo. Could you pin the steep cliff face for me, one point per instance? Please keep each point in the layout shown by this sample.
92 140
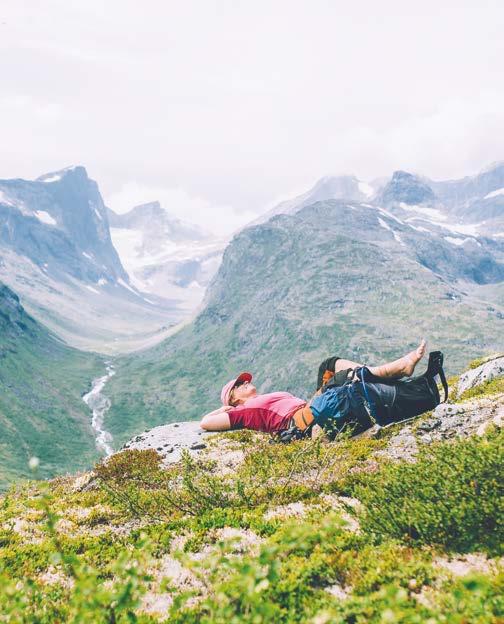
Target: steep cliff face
57 254
60 223
337 277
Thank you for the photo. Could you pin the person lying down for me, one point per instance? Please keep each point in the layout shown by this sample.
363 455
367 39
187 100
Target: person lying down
363 394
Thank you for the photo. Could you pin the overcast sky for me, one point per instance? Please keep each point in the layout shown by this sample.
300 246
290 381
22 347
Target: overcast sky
220 108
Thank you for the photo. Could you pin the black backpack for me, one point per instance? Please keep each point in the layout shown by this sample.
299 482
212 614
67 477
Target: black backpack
390 401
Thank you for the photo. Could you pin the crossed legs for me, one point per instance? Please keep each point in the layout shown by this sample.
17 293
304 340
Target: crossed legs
403 367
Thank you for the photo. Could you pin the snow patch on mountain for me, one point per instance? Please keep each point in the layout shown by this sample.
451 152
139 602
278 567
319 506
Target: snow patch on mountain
366 189
45 217
456 241
5 200
383 224
127 286
390 215
494 193
469 228
432 213
51 178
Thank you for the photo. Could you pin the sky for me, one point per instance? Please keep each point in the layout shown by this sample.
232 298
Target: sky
220 109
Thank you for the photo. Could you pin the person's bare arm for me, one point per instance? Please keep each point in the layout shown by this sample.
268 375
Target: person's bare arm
218 420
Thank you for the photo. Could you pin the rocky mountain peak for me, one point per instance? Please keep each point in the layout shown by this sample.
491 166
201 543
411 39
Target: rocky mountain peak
74 172
59 222
341 187
408 188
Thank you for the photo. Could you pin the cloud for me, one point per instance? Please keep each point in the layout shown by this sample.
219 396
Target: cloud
227 106
219 219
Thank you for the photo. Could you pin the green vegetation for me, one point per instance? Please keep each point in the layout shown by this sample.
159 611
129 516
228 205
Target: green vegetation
488 388
452 496
41 410
82 596
98 555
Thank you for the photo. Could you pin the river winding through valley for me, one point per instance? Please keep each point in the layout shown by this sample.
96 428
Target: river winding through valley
99 404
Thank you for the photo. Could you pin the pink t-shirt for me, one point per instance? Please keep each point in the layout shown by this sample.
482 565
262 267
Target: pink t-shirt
265 412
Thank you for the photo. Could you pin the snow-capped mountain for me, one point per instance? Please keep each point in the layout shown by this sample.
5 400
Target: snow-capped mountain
164 255
471 206
329 187
57 254
60 223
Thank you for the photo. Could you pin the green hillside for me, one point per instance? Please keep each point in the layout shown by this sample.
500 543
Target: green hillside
403 526
329 280
41 410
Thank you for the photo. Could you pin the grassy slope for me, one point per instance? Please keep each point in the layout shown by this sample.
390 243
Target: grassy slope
296 560
288 294
41 410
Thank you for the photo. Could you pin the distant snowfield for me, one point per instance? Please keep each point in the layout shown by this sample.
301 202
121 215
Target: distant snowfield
155 269
432 213
53 178
494 193
436 217
5 200
469 228
457 241
45 217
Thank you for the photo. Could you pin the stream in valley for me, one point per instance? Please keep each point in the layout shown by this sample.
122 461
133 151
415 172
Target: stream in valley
99 404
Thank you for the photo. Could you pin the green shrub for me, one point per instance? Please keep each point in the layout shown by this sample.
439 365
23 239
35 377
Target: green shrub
453 496
81 596
136 482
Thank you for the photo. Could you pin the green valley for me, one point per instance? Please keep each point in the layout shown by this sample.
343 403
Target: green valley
41 384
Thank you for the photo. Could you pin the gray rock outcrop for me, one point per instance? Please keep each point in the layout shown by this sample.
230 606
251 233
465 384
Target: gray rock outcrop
170 440
486 372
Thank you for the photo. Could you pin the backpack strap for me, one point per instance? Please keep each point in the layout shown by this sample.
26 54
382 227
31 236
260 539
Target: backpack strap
435 367
360 373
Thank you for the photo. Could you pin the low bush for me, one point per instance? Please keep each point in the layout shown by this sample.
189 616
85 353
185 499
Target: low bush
80 595
452 496
135 481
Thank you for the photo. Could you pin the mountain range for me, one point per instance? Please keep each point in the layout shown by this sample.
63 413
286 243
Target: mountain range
165 256
364 280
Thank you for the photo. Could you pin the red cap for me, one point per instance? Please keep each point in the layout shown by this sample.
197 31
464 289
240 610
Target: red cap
226 390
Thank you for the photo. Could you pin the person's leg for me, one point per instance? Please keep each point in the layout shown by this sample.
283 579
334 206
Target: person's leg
342 364
403 367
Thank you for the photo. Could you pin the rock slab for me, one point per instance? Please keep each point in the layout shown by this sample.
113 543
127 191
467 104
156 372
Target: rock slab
486 372
170 440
